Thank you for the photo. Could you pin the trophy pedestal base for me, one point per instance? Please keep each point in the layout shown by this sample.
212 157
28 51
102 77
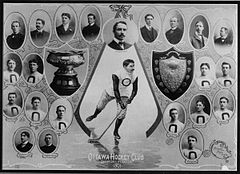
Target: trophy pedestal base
65 84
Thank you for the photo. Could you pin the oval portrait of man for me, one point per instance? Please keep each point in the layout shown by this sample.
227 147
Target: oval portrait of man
48 141
33 69
224 105
200 109
174 26
36 107
65 23
205 73
12 68
91 23
61 114
223 36
191 144
40 28
199 32
15 30
149 24
174 118
12 101
120 33
226 72
24 140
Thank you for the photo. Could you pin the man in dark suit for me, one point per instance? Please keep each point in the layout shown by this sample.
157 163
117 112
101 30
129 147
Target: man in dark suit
118 42
224 39
91 31
149 34
25 145
65 31
16 39
48 147
40 36
174 35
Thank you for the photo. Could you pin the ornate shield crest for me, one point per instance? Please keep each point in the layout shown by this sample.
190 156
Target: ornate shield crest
173 71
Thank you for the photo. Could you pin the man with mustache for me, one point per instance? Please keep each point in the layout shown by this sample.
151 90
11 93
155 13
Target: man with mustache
224 39
174 35
16 39
40 36
25 145
198 40
118 42
12 109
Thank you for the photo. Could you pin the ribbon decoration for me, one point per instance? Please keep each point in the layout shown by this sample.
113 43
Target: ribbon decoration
122 11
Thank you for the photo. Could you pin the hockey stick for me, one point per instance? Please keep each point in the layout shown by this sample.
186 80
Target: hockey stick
95 140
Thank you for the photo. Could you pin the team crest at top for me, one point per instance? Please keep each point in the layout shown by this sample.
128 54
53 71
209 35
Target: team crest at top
173 72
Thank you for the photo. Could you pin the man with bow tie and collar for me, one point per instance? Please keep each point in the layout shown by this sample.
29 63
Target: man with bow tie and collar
198 40
224 39
12 109
16 39
39 36
118 42
25 145
174 35
149 34
65 31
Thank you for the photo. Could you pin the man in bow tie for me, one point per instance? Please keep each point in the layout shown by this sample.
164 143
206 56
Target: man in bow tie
65 31
198 40
118 42
174 35
223 40
25 145
149 34
16 39
40 36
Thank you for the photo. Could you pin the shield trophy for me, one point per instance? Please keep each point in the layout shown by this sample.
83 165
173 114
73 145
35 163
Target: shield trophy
65 81
173 72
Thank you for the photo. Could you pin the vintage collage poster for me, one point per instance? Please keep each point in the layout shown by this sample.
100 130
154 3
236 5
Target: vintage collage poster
119 86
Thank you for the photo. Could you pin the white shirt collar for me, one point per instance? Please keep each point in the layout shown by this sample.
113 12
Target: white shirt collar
66 26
